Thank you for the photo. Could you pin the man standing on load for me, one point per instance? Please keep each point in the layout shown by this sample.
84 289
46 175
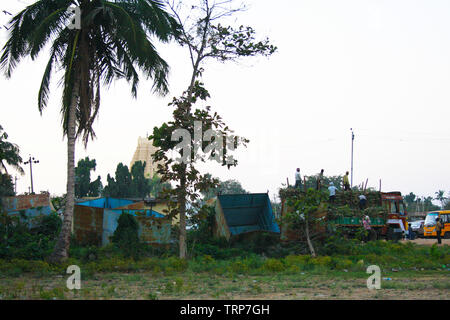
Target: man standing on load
298 179
346 182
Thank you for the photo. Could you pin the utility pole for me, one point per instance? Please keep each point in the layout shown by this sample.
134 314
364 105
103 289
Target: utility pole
353 138
30 161
15 184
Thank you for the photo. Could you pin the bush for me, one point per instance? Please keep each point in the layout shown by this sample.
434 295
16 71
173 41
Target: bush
273 265
126 235
17 240
50 225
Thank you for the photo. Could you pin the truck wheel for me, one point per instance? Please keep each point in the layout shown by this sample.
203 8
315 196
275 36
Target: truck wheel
447 235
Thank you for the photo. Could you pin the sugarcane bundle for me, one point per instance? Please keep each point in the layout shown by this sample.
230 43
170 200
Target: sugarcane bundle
346 211
351 198
290 192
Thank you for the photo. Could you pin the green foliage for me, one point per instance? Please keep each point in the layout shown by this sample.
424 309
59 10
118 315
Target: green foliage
6 186
202 225
126 235
132 184
50 225
83 185
447 205
156 186
358 256
273 265
419 204
224 187
311 182
120 187
139 184
305 205
17 240
9 154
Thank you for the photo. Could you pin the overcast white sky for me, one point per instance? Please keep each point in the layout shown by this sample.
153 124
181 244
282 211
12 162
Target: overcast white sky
379 67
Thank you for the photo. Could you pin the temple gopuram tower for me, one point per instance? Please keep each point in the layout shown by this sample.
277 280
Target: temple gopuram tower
144 152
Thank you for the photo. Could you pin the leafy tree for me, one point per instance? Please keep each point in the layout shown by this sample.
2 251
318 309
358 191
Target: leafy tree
440 196
139 185
225 187
132 184
204 38
447 203
429 205
304 207
9 154
410 199
156 186
126 235
83 176
120 186
95 188
112 41
6 185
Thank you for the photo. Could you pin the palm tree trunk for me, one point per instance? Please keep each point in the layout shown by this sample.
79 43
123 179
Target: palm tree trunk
61 250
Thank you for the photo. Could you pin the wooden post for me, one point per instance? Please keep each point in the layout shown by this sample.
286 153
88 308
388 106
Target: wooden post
287 181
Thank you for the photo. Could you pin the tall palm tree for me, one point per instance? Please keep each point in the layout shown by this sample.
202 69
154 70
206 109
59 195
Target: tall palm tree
112 41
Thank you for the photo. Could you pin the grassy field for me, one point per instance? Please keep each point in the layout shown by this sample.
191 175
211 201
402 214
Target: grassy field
409 271
192 286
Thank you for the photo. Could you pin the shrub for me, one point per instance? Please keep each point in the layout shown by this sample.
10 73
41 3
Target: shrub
126 235
324 261
273 265
18 241
297 260
238 266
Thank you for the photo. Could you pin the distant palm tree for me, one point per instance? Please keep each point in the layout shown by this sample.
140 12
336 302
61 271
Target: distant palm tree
112 40
440 197
9 154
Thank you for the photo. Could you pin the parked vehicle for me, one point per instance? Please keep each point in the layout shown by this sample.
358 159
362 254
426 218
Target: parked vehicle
430 224
417 227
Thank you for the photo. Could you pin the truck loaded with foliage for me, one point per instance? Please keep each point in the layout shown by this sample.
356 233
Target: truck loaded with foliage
309 214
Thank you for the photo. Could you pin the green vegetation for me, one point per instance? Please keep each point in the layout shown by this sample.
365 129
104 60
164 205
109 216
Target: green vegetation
18 241
83 185
133 184
101 49
352 256
230 186
9 155
126 235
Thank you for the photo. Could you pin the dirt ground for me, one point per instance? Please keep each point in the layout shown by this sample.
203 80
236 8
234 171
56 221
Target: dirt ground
418 286
428 242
